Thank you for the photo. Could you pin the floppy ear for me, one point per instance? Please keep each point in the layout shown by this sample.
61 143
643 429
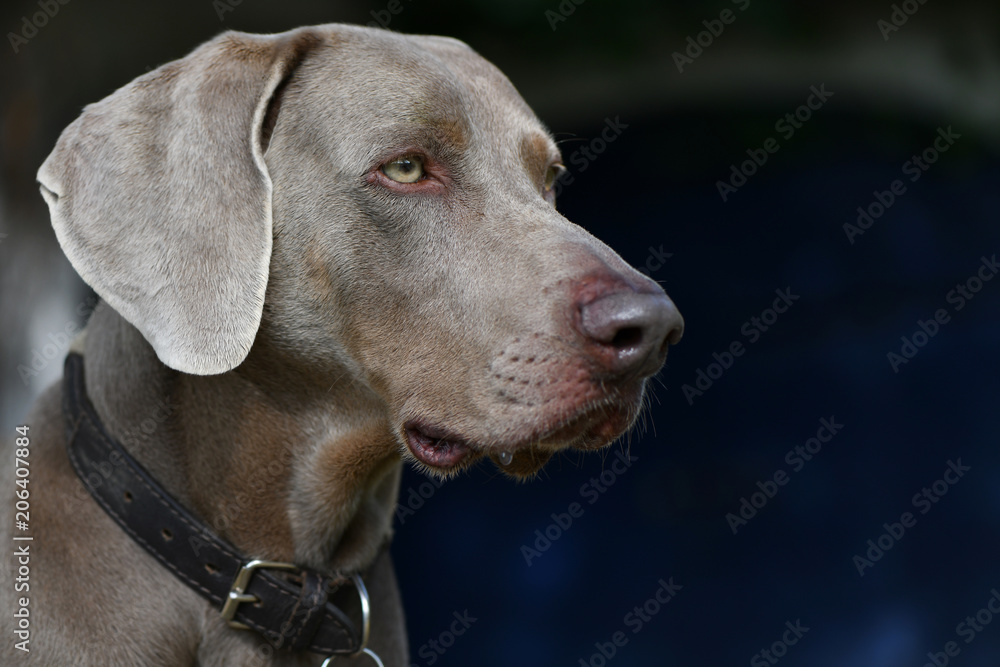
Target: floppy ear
160 197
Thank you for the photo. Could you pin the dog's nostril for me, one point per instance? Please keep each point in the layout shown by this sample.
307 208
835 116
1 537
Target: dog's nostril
627 337
631 330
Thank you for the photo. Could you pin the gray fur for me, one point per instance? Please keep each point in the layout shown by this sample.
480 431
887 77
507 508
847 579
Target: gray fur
273 317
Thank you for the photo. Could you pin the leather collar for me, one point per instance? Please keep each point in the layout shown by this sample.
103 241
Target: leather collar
289 605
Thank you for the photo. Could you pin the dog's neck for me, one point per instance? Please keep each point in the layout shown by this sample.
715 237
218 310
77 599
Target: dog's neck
282 463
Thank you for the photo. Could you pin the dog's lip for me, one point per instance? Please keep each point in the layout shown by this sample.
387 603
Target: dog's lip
593 429
434 447
590 428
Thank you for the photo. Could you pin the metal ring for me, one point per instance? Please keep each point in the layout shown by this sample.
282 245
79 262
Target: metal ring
366 651
366 625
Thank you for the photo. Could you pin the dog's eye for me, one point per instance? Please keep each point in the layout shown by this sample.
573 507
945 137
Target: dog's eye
552 174
409 169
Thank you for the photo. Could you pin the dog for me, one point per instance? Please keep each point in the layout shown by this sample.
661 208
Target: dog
321 254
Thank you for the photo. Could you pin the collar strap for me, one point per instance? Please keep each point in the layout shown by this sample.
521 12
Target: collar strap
287 604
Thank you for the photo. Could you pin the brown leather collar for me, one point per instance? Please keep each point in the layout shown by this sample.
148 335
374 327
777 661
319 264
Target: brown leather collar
289 605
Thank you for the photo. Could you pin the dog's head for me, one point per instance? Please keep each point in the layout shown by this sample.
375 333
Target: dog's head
373 206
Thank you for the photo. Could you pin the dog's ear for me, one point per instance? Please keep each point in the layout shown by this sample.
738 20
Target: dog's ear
161 199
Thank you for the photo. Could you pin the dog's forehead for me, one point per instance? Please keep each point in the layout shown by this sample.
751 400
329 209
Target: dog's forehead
424 80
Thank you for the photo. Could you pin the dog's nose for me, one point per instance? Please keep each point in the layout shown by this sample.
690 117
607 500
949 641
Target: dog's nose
632 330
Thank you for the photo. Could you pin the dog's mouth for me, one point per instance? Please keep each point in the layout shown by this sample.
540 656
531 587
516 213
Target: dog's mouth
433 447
444 451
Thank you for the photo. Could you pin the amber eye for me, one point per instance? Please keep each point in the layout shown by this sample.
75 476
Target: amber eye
409 169
551 174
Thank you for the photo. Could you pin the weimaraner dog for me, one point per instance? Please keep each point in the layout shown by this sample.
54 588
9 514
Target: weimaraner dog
320 254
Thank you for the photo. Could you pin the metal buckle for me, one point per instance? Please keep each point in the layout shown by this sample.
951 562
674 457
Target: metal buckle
237 592
365 626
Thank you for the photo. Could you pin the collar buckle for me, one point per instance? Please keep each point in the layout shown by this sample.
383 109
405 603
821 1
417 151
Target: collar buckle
237 592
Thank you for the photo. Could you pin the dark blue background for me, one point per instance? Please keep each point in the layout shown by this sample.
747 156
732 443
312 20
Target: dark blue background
825 357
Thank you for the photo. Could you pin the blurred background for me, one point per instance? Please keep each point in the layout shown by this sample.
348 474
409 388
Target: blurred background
725 147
